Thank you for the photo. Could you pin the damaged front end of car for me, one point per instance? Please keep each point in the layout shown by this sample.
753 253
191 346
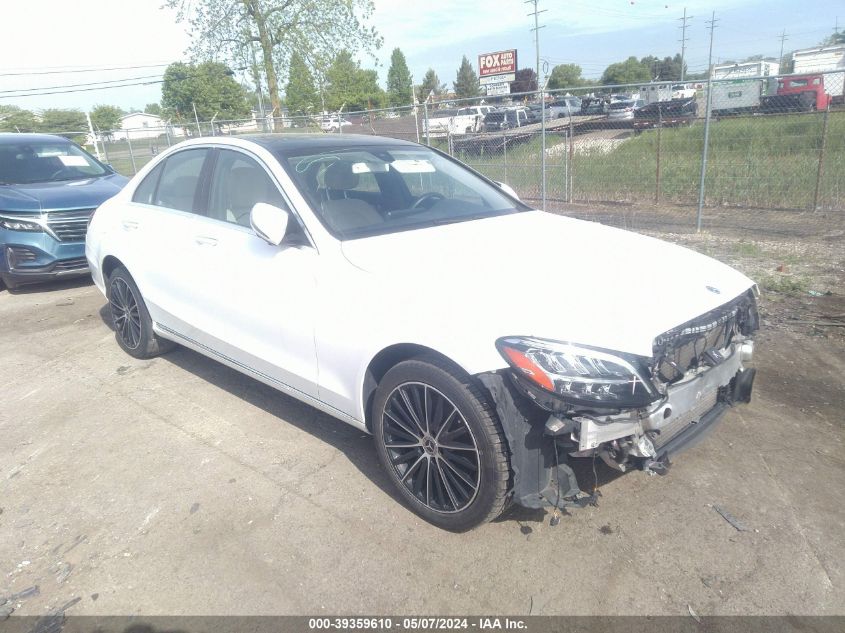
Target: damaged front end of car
561 401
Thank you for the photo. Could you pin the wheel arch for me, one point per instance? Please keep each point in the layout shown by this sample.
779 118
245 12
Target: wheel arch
110 263
388 358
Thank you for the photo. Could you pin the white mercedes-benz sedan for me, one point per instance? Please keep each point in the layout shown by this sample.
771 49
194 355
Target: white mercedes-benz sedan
488 347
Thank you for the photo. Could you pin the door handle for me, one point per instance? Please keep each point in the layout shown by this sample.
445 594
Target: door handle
202 240
130 225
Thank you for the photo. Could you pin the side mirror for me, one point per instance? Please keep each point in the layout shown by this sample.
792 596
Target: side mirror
507 189
269 223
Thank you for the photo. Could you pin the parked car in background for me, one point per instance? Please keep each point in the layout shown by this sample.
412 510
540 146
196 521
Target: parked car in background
680 91
439 122
666 113
593 105
333 123
624 110
534 113
49 188
567 106
290 258
507 119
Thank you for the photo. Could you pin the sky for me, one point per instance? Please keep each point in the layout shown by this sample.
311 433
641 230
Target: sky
132 41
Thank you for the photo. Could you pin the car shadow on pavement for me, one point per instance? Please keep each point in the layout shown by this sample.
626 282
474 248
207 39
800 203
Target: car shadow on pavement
49 286
352 442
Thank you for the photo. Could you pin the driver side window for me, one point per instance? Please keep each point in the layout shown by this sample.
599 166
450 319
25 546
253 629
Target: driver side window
238 183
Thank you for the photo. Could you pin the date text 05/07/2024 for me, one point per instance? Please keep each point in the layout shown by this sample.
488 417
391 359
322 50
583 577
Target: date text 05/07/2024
416 623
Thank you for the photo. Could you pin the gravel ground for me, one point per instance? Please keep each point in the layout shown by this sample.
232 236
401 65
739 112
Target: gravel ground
178 486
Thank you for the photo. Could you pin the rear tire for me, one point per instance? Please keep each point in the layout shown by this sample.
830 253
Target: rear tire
440 442
133 327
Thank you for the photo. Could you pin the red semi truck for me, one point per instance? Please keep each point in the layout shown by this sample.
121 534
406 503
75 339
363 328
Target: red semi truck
802 93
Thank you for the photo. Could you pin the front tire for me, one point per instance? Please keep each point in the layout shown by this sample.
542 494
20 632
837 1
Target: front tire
133 327
438 438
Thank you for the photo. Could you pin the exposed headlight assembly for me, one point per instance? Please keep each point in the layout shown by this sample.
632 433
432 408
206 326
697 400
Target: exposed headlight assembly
578 375
16 224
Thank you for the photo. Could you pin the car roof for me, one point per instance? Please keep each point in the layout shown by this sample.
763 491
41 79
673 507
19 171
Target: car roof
9 138
291 143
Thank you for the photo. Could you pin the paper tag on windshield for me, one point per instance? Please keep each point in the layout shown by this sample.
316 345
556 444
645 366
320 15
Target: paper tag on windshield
413 166
73 161
366 168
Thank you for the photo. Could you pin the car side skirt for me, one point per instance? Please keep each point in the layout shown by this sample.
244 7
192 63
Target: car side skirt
190 343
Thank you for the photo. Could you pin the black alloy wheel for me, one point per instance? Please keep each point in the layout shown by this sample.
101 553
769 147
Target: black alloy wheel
440 441
431 447
125 313
133 327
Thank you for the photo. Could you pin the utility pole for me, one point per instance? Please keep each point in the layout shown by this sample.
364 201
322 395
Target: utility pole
536 13
684 39
196 118
712 27
783 37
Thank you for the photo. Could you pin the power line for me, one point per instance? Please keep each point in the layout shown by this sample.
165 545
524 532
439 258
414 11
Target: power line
58 92
79 70
82 85
783 38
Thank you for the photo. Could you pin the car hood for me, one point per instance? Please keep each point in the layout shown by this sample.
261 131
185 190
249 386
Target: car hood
49 196
538 274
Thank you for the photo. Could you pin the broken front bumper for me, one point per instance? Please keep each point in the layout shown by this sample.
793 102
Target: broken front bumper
545 446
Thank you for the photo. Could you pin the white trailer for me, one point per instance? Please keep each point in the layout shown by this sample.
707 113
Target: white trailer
737 96
829 60
652 93
742 70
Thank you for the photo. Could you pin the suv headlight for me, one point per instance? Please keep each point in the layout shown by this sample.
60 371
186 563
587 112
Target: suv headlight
579 375
15 224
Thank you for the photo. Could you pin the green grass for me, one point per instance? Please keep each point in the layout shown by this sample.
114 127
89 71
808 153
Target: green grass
784 284
748 249
768 162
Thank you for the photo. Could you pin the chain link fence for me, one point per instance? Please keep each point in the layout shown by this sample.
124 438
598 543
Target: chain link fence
759 155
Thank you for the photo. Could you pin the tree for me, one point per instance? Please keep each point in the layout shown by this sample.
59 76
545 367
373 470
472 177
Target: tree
565 76
106 117
668 69
430 85
15 119
300 92
398 80
316 29
833 40
630 71
210 87
153 108
351 87
466 81
525 81
71 124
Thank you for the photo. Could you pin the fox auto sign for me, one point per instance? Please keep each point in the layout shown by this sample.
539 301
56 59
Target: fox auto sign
499 63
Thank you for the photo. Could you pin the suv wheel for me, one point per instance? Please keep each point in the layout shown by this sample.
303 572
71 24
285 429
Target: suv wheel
440 442
133 327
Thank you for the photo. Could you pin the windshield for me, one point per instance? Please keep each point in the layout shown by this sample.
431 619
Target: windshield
365 191
46 161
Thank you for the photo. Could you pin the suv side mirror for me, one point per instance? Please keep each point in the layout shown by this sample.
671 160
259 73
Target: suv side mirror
269 223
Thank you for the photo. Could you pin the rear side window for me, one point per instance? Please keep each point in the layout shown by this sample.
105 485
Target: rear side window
178 183
147 189
239 182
